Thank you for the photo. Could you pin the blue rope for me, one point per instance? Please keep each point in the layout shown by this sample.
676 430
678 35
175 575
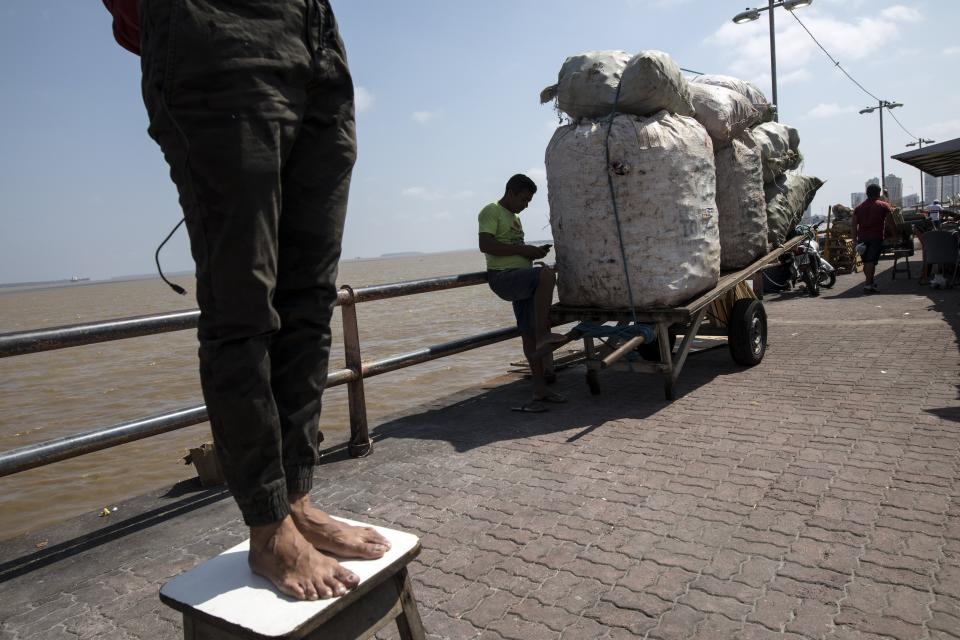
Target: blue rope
595 330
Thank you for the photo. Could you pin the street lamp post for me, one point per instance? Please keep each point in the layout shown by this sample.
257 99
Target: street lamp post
749 15
883 104
920 142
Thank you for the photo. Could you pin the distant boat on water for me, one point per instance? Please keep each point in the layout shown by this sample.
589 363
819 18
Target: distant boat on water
78 279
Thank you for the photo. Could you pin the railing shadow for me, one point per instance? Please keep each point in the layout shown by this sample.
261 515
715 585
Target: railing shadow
194 497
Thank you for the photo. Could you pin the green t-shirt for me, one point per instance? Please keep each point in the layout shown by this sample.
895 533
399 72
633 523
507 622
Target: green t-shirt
505 227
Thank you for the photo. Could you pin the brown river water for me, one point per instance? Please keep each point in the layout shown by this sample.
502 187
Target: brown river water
58 393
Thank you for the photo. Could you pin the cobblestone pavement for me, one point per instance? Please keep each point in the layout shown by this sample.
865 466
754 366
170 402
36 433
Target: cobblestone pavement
814 496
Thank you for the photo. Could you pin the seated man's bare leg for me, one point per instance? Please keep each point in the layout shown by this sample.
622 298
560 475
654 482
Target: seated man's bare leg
333 536
542 300
281 554
536 366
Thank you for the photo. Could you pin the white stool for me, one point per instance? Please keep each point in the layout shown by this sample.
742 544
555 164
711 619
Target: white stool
221 599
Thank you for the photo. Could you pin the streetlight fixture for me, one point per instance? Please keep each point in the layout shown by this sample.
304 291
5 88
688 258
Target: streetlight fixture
749 15
920 142
882 104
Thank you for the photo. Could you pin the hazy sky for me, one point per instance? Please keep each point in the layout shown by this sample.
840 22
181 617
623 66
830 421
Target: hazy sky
448 109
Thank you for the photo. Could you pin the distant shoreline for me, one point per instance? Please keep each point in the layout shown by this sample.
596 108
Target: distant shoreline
11 287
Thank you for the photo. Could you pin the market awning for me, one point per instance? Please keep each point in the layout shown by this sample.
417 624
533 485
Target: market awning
938 159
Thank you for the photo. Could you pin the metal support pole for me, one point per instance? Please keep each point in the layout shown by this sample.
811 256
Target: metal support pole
773 63
883 171
360 444
920 142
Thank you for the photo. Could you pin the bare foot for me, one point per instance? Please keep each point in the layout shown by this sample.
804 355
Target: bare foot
281 554
334 536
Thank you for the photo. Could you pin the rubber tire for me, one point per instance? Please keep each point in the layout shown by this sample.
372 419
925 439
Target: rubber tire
650 351
831 279
740 339
813 284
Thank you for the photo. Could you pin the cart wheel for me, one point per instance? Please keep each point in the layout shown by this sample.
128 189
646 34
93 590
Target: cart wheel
593 381
748 332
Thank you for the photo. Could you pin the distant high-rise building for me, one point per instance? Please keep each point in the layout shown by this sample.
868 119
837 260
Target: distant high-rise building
940 188
931 188
856 198
894 186
911 200
949 187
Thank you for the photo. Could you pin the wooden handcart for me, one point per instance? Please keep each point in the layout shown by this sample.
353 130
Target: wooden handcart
731 309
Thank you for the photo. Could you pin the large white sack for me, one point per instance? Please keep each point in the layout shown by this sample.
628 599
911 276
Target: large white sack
664 178
724 113
779 148
649 81
652 82
747 89
787 198
741 206
587 83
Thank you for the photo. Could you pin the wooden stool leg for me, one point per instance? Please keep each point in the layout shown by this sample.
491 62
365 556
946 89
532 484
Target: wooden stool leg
408 622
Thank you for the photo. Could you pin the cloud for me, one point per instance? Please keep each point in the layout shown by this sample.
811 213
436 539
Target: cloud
830 110
423 117
363 99
537 174
902 13
442 215
746 47
951 51
942 130
422 193
465 194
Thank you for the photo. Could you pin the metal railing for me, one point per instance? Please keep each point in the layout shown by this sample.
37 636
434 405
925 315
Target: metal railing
34 341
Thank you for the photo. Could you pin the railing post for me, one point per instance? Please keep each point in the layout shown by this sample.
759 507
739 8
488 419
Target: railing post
360 444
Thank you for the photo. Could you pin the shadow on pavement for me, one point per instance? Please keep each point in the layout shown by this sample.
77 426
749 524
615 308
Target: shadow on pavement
486 417
195 499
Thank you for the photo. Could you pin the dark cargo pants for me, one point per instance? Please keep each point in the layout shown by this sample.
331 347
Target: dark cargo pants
251 102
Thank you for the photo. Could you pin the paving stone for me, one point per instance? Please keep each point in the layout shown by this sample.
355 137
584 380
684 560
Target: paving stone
735 511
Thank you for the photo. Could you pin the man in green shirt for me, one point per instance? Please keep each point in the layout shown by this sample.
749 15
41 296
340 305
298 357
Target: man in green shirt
513 277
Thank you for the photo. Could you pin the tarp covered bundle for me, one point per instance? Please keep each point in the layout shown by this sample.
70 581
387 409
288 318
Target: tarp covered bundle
787 197
663 174
740 203
747 89
648 82
694 194
723 112
779 149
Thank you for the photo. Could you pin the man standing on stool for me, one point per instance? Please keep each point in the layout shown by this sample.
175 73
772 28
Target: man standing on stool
251 102
868 223
513 277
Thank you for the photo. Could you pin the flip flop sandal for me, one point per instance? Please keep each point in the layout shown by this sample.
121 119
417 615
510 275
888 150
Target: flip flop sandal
555 398
530 407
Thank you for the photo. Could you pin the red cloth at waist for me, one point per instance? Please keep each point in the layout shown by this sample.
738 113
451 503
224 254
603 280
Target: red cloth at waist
126 23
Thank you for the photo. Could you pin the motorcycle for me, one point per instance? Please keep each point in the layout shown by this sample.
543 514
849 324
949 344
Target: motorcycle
805 264
828 274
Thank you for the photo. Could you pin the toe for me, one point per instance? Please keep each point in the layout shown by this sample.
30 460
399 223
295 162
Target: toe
323 589
292 589
348 578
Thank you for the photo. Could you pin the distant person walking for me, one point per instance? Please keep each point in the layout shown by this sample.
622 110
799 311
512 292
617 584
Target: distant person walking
251 102
513 277
867 224
933 212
